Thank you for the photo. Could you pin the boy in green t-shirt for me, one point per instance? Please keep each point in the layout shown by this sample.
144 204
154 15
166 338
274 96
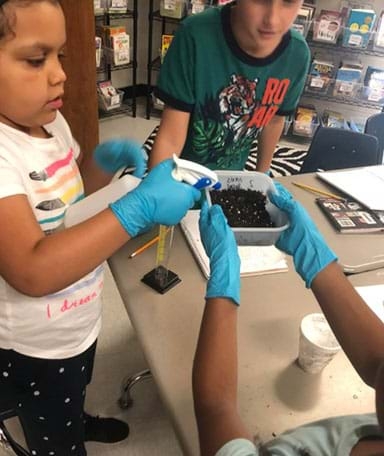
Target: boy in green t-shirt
230 75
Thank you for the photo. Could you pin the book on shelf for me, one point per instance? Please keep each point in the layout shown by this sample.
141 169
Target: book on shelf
374 84
348 78
108 96
350 216
166 41
255 260
118 6
327 26
379 35
99 51
334 119
305 121
320 75
358 28
303 20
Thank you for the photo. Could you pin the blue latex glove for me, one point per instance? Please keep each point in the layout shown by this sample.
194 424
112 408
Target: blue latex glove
158 199
221 248
302 239
113 155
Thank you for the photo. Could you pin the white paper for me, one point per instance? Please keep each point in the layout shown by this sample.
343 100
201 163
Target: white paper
365 185
255 260
374 297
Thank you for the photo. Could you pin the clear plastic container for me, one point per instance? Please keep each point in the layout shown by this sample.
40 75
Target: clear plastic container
253 180
306 121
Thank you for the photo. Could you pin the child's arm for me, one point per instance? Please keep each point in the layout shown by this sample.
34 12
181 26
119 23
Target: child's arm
93 176
109 157
171 136
215 378
359 331
37 265
215 364
267 142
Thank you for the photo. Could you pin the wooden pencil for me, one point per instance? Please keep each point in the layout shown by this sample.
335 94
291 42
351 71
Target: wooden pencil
316 190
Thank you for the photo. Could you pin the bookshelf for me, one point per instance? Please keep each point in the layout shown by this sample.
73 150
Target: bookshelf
107 71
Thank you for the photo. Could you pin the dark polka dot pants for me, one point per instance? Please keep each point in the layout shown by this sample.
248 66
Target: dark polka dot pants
48 396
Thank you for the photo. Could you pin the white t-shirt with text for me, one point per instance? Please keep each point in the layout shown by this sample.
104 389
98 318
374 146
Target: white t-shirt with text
65 323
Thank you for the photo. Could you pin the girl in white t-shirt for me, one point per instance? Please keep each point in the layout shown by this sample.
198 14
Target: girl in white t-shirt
51 278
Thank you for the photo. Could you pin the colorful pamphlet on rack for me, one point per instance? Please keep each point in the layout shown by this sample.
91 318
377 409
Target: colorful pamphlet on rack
374 85
358 29
334 119
305 121
349 216
109 97
379 36
304 19
348 78
118 6
166 41
320 75
327 26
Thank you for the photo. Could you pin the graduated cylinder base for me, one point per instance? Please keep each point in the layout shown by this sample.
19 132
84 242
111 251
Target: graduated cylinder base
161 286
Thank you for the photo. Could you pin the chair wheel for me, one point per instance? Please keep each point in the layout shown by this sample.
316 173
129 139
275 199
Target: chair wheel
125 403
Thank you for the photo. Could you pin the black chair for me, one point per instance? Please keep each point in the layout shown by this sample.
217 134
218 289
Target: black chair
6 440
335 148
375 126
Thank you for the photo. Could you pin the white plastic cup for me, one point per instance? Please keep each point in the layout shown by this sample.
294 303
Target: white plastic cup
317 344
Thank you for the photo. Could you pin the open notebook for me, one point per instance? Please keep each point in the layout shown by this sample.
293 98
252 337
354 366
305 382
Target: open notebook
255 260
365 185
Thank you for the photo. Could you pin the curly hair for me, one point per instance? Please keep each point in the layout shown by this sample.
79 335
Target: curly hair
8 16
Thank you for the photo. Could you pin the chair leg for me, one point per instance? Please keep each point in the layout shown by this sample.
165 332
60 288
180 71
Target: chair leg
125 401
7 442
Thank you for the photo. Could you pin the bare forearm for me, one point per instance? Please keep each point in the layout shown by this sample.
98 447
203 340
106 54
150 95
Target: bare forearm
359 331
267 141
61 259
215 378
215 364
171 136
164 147
93 177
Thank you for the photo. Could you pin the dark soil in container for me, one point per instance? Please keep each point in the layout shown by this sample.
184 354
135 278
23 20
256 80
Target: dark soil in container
243 208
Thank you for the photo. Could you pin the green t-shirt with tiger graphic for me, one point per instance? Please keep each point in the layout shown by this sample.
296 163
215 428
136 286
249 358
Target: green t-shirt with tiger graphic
230 94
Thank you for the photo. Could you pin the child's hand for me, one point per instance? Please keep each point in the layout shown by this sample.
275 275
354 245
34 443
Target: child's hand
158 199
302 239
221 248
113 155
